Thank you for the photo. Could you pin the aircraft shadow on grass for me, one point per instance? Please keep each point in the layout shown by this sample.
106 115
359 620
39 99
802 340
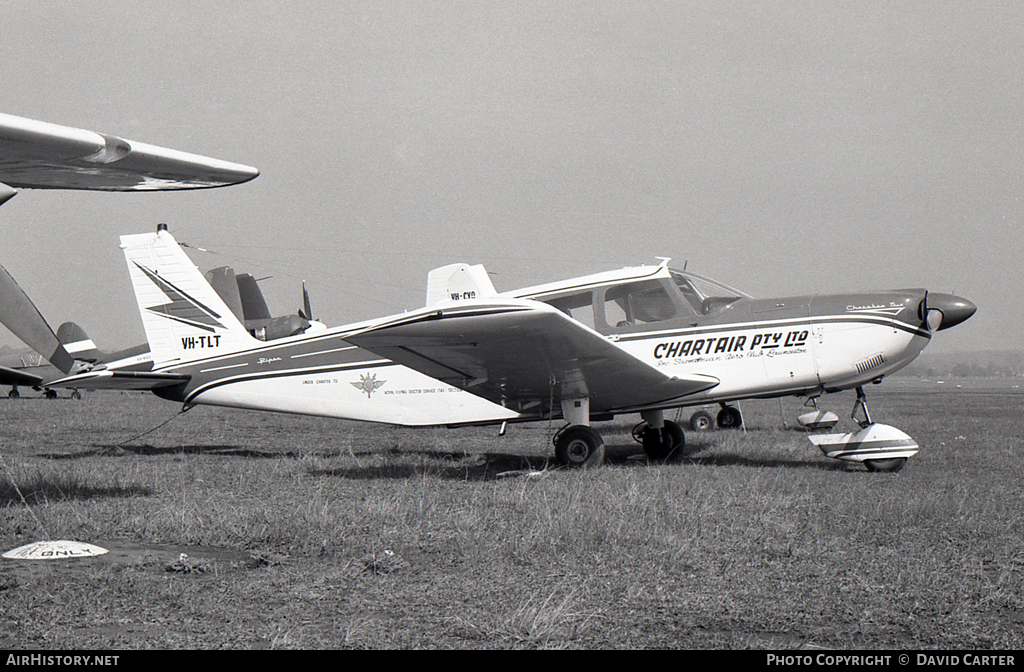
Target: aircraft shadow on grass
156 451
44 489
399 463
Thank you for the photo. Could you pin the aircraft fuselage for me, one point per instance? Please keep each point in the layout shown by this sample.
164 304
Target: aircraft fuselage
755 348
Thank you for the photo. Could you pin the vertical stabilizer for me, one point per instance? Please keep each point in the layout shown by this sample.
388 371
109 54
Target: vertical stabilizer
223 282
77 343
254 306
184 317
458 282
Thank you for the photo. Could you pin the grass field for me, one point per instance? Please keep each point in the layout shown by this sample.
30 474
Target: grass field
315 533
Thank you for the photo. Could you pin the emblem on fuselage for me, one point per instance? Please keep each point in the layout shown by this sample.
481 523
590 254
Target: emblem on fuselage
368 384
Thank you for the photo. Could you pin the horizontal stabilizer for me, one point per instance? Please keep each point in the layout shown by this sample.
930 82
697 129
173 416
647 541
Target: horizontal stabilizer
17 377
522 354
39 155
120 380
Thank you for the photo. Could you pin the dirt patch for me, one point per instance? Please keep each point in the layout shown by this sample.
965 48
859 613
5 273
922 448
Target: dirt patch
159 557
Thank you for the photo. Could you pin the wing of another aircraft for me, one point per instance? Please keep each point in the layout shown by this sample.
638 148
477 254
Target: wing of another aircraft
521 354
39 155
20 315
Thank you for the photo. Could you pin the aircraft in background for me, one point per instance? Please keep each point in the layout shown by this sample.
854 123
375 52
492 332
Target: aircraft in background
641 340
58 354
39 155
31 369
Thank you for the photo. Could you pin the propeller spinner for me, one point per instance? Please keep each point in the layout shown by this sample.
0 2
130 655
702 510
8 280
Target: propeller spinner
942 311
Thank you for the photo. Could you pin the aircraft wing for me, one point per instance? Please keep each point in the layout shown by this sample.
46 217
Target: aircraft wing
522 354
20 315
10 376
38 155
120 380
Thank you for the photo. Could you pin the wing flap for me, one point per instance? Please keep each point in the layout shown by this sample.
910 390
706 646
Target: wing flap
120 380
522 354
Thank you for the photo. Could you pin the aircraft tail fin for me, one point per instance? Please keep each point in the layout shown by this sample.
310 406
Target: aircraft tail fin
223 281
20 315
254 306
458 282
77 343
184 317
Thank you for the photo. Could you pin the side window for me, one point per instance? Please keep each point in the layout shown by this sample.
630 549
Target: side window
579 307
637 303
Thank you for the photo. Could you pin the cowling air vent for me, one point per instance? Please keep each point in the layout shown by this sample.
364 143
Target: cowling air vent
872 362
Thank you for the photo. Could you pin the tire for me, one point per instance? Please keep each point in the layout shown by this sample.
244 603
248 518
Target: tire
730 418
892 465
702 421
579 446
664 444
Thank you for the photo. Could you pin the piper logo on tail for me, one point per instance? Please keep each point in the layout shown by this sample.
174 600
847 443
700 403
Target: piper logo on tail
185 309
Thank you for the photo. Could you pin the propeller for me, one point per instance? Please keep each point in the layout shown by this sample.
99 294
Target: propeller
305 312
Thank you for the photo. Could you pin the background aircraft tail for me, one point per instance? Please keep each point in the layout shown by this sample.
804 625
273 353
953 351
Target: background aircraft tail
458 282
184 317
77 343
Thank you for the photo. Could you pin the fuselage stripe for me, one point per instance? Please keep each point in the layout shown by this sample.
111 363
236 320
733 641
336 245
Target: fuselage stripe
373 364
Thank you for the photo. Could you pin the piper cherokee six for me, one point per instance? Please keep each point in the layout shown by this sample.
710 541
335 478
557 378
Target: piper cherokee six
644 340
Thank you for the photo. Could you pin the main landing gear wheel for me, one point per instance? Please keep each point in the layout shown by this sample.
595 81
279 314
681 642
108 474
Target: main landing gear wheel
13 394
579 446
729 418
665 443
892 465
702 421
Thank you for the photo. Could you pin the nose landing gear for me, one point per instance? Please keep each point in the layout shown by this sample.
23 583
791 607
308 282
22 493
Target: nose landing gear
879 447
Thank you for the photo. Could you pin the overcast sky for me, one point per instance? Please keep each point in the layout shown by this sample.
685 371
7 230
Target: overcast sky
780 147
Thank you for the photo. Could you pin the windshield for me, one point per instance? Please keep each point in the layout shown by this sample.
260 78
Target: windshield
704 295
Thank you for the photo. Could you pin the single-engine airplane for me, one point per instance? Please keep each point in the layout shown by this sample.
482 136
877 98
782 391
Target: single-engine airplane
636 340
40 155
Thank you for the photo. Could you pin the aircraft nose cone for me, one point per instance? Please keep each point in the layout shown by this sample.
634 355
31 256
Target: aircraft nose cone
953 308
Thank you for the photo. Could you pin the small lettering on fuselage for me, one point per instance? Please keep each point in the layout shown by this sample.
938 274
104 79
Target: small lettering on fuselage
715 345
196 342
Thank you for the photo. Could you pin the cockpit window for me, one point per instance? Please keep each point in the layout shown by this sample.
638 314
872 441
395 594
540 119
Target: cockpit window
706 297
578 306
638 303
